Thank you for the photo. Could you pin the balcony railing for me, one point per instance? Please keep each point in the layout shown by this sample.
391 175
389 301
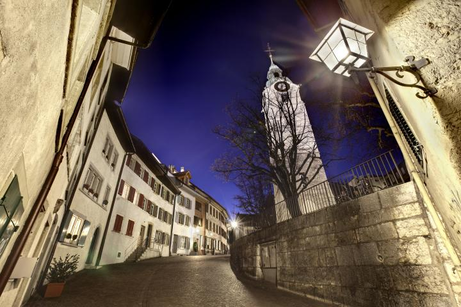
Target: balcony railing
374 175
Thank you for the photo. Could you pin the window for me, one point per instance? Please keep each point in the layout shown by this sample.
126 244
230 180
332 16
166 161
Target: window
158 237
180 200
11 210
164 191
166 239
146 176
171 198
408 134
197 221
181 218
285 97
160 214
188 203
108 147
137 168
76 230
187 220
129 228
154 210
92 184
114 160
105 201
165 217
198 206
118 223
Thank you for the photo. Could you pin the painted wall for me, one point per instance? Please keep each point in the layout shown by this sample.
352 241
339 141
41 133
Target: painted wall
183 230
84 204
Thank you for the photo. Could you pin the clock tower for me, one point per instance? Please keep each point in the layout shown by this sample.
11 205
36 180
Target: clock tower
288 126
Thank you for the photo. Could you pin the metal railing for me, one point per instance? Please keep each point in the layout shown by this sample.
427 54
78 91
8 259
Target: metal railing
374 175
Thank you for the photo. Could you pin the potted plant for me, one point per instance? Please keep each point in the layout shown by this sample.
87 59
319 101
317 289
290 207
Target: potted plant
60 270
195 247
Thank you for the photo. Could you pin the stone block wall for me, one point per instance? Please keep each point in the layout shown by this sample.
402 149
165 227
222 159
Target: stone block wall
379 250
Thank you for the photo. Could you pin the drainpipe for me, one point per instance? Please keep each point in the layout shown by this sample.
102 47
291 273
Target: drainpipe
103 239
416 175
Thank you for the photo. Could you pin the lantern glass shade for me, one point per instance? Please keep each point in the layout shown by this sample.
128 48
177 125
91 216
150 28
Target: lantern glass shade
344 45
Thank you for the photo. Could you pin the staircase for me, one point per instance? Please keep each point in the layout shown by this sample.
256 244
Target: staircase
135 251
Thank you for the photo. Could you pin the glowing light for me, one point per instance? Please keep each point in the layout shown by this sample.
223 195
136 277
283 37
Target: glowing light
234 224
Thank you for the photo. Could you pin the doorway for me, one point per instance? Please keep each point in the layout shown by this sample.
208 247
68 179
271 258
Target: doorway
149 235
175 244
269 261
89 259
141 235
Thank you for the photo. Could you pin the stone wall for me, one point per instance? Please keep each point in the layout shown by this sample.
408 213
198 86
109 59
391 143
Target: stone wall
379 250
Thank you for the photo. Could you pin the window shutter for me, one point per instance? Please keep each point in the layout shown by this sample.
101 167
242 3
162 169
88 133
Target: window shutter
121 186
84 233
128 160
146 176
66 222
131 194
141 201
137 168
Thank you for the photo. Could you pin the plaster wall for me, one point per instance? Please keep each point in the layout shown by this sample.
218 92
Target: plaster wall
431 29
183 230
86 206
119 242
378 250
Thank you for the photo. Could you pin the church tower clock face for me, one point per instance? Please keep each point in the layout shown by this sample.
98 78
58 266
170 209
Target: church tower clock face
282 86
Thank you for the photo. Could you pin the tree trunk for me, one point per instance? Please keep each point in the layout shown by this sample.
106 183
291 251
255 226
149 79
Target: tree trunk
291 201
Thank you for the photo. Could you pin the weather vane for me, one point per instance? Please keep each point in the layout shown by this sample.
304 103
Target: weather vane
269 51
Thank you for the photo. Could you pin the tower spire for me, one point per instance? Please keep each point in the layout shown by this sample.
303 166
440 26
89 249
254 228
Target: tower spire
269 51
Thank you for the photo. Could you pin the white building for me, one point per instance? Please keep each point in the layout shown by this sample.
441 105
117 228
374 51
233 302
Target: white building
187 228
283 108
141 222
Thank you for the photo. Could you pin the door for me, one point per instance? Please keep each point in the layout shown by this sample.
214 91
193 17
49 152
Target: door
89 259
269 262
141 235
175 244
149 235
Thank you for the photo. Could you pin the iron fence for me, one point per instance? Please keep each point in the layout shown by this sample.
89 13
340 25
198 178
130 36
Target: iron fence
374 175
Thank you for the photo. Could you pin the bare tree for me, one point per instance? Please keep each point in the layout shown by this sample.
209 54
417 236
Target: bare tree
276 145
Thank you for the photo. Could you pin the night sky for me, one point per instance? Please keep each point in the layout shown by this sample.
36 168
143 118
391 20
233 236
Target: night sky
201 59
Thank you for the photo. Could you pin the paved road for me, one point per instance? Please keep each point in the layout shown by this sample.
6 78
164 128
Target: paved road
174 281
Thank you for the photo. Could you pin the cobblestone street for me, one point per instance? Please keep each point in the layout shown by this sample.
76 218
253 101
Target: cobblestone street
174 281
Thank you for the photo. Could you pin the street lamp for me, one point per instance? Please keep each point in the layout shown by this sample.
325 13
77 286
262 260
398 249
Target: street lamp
344 50
234 224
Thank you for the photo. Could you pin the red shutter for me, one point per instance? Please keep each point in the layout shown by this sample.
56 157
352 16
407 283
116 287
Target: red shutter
146 176
129 229
121 186
137 168
128 160
131 194
118 223
141 201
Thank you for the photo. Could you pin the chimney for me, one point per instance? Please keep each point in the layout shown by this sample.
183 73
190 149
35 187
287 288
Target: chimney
182 169
172 168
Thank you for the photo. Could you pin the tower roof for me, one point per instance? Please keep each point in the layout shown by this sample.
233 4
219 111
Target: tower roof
274 72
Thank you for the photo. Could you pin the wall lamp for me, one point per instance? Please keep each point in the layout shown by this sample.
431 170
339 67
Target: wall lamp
344 51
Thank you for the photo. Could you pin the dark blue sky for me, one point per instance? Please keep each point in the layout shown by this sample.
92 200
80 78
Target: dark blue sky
201 59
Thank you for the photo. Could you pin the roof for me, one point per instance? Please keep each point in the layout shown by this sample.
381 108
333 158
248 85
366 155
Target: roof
193 186
117 119
140 19
152 163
